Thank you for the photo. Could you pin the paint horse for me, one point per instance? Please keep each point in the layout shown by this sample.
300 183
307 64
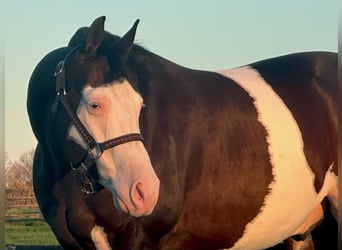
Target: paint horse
136 152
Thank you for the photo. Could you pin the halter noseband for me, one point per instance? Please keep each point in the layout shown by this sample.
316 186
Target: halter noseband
94 149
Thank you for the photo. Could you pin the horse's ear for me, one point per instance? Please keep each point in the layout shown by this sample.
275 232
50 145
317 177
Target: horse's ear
126 42
94 37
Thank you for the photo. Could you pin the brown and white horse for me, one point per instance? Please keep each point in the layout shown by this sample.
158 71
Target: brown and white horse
136 152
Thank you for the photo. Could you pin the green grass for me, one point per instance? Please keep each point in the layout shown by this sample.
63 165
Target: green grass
28 231
23 211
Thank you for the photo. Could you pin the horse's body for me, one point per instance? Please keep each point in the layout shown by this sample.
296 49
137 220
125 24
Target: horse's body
245 157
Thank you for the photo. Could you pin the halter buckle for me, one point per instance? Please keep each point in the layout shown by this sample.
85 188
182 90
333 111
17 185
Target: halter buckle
88 188
86 184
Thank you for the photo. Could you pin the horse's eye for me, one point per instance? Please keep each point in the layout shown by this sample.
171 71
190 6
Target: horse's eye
94 105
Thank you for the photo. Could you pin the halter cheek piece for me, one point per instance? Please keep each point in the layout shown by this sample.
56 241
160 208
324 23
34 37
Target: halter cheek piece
94 149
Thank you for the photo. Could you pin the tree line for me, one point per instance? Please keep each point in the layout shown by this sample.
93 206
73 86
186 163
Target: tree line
18 173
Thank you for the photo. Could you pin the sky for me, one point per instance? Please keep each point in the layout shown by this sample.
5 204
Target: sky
207 35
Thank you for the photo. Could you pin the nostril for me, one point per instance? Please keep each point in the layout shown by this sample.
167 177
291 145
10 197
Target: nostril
144 197
139 190
138 195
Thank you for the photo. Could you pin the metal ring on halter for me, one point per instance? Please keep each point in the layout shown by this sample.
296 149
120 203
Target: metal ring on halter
72 167
83 166
59 68
96 151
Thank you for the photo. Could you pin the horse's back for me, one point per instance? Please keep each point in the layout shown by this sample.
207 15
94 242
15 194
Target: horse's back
307 85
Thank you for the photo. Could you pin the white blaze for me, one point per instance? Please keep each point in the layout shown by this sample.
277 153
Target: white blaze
117 114
109 111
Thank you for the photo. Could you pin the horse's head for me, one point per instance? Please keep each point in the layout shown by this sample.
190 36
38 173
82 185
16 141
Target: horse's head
104 100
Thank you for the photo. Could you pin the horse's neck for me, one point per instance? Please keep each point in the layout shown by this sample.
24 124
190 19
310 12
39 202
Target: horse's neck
155 70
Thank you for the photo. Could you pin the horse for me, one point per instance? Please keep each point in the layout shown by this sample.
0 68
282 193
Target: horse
137 152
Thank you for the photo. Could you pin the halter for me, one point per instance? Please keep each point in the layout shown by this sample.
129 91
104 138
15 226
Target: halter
94 148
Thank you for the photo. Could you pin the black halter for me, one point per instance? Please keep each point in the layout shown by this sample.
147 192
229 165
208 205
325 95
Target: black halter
94 149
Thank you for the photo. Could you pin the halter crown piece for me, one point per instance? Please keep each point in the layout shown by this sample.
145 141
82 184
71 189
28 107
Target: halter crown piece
94 149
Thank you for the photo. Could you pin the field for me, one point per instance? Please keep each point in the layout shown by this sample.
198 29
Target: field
26 227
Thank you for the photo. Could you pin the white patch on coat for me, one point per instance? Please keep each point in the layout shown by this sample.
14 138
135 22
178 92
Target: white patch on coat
292 195
311 221
99 237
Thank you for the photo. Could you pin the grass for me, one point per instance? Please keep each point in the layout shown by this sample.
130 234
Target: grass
23 211
33 231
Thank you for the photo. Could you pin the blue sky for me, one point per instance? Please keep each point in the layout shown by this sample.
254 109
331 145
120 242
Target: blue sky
199 34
